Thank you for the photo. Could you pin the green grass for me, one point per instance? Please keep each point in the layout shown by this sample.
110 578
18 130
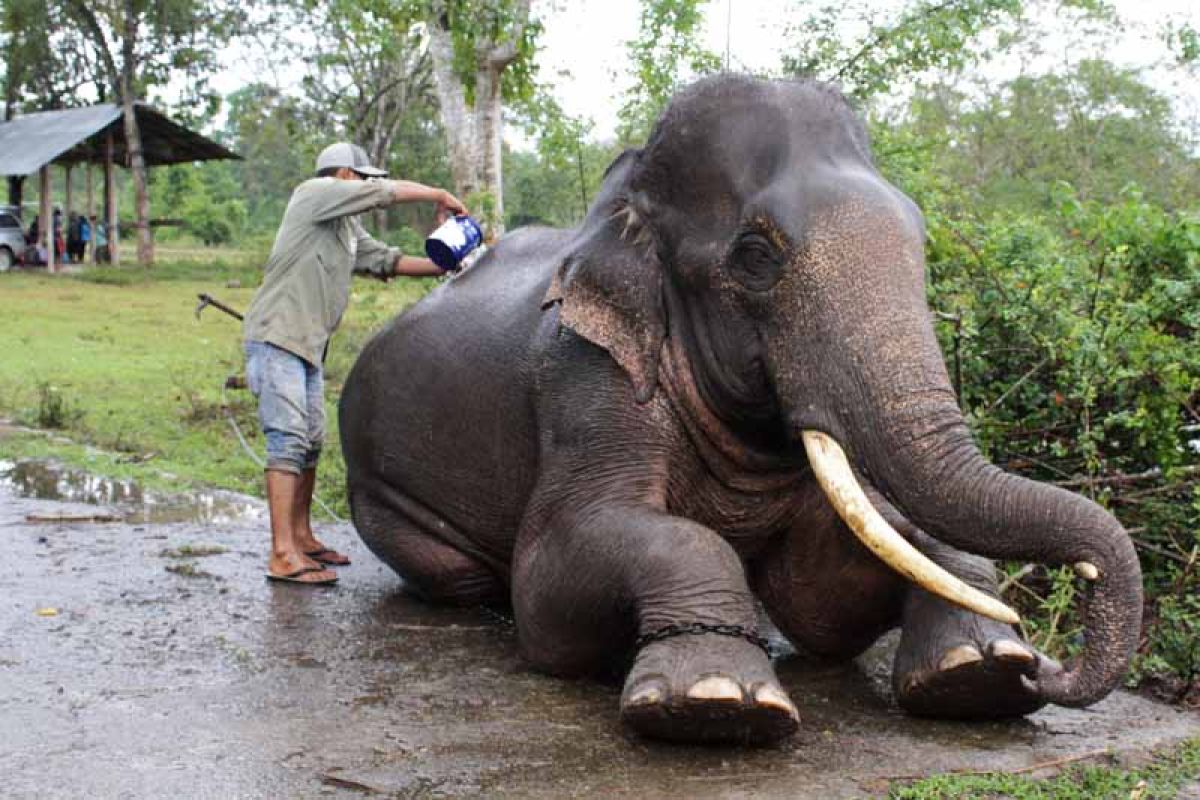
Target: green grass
1162 777
130 371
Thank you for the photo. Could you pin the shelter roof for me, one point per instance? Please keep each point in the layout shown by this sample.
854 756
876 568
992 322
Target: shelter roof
78 135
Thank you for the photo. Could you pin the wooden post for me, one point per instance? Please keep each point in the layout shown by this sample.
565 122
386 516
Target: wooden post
67 207
46 216
14 191
90 211
66 214
110 202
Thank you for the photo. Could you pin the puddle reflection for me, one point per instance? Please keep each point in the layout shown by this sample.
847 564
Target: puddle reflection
46 480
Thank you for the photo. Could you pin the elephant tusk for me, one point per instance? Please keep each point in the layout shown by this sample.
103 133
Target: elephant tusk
833 472
1087 570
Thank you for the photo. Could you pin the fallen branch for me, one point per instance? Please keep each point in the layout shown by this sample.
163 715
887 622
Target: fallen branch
1150 548
346 783
1122 479
52 518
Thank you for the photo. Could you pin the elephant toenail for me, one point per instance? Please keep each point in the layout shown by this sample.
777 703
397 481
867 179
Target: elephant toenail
961 656
647 694
774 697
715 688
1011 652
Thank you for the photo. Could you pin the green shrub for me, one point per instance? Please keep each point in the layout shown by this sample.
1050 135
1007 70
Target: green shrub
54 411
1074 341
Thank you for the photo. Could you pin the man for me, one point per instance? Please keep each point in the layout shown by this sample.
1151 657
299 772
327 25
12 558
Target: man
305 289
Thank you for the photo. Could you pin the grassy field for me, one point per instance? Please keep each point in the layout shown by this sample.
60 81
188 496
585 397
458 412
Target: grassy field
115 359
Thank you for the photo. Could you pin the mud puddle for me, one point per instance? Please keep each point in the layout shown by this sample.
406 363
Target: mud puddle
124 499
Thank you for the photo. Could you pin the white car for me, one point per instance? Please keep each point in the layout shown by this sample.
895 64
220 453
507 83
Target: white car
12 238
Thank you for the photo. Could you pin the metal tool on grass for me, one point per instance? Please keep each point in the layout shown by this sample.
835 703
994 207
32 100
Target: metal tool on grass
207 300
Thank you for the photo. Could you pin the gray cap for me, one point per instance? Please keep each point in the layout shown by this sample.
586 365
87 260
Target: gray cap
344 154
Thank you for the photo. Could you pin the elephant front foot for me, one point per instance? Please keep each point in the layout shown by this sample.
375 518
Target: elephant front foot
706 688
983 677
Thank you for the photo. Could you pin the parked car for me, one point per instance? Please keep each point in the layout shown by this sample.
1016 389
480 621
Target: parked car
12 237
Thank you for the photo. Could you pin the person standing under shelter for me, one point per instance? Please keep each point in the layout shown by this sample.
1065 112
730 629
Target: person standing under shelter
85 236
73 238
305 290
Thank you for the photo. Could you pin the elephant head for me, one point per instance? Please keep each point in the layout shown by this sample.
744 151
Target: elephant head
754 232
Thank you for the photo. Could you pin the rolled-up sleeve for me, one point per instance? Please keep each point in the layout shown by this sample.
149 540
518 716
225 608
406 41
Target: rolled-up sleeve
332 198
372 255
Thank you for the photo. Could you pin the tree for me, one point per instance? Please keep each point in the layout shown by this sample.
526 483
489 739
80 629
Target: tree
923 36
42 70
370 71
482 53
665 53
1096 125
278 137
138 45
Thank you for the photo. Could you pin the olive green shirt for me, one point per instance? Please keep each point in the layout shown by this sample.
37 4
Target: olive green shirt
306 283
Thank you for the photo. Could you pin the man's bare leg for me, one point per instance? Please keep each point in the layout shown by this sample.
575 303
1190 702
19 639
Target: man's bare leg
287 558
302 522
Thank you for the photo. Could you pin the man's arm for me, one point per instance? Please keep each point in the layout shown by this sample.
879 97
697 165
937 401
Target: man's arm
414 267
412 192
372 256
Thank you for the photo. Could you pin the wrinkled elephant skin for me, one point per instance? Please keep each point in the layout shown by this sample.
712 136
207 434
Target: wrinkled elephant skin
607 426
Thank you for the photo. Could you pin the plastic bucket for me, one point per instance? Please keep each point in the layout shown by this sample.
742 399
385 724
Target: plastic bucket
450 243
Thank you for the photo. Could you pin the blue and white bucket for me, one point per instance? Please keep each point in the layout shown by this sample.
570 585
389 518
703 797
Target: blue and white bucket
452 241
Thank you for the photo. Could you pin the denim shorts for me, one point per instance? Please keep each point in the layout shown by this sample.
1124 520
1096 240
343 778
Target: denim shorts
291 405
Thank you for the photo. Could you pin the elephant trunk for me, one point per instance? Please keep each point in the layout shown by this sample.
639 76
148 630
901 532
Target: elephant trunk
935 474
905 433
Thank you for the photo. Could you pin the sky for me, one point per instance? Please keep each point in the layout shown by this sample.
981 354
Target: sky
585 37
583 56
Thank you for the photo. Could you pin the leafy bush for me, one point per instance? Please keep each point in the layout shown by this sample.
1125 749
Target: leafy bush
1074 342
54 410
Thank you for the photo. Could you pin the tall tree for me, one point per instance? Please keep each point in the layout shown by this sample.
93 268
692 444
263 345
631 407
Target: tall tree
895 45
483 55
142 44
41 69
369 71
666 52
1096 125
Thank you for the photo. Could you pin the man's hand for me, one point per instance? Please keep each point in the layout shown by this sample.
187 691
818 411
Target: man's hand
448 206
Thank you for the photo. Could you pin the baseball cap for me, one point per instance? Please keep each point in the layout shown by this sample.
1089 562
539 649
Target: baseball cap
344 154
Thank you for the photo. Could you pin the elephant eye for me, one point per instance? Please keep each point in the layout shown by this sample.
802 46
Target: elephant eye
756 263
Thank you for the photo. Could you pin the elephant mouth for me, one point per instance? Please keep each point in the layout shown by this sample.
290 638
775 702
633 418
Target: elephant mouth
837 480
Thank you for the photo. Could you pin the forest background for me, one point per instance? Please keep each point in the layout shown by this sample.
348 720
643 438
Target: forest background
1061 188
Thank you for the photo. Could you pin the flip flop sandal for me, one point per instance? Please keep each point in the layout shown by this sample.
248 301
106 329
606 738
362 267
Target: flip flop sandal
294 577
329 556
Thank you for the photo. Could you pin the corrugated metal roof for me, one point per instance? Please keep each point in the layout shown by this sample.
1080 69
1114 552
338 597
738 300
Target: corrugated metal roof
74 135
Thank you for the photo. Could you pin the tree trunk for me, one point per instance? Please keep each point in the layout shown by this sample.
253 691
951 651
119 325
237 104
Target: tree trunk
474 134
457 121
489 127
133 138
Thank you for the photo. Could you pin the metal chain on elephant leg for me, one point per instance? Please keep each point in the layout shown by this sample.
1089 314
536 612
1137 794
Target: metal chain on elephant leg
501 619
700 628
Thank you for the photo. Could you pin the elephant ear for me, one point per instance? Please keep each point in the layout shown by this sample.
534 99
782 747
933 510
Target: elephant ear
610 286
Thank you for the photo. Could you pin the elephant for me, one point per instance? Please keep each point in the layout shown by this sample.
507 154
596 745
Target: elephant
720 393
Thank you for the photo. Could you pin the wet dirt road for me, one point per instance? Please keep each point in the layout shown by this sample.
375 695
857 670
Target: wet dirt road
132 664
